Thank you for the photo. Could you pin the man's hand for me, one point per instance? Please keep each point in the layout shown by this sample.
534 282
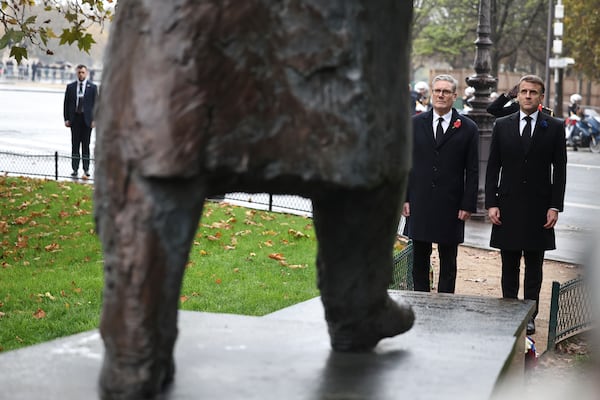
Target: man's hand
513 92
551 218
68 124
463 215
494 215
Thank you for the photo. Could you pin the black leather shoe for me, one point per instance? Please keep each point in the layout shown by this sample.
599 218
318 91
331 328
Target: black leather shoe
531 327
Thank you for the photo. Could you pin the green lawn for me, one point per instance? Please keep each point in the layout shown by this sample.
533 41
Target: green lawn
242 261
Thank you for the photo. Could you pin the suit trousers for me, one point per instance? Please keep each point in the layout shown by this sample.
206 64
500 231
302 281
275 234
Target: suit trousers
80 137
511 261
422 263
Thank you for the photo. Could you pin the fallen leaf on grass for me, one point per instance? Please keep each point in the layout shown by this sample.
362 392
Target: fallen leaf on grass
277 256
2 314
21 220
297 266
22 242
297 234
183 299
52 247
268 243
39 314
214 237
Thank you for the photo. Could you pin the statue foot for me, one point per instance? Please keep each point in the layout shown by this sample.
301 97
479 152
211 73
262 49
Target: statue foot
134 381
393 319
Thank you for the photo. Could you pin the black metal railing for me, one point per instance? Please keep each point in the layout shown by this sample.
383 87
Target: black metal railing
50 166
570 310
403 265
58 166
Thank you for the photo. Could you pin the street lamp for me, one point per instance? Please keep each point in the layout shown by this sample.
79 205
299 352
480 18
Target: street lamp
558 63
483 83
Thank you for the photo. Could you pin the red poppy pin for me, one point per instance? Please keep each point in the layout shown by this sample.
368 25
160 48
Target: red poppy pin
456 124
540 107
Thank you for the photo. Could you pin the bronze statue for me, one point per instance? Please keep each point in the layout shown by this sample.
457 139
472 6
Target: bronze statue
203 97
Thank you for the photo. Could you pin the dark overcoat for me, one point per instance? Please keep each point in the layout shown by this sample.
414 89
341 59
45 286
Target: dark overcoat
524 185
443 179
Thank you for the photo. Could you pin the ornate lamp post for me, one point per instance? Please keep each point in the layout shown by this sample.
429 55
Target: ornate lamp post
483 83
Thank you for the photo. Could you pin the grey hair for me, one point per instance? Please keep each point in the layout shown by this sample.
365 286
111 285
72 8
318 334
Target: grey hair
447 78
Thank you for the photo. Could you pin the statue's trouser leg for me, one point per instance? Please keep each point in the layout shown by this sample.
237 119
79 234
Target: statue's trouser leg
356 231
147 228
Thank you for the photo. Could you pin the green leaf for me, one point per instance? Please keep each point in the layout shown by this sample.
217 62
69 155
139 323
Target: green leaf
19 53
11 35
85 43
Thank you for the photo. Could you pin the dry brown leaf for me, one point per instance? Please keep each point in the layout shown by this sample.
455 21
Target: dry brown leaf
52 247
22 242
297 266
39 314
277 256
21 220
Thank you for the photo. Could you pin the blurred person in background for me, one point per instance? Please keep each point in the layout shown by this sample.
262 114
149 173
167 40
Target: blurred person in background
78 112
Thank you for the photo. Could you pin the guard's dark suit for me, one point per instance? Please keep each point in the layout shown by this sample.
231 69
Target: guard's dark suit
524 185
81 122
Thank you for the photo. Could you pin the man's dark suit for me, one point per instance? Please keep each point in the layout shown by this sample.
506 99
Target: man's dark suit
80 123
443 180
524 185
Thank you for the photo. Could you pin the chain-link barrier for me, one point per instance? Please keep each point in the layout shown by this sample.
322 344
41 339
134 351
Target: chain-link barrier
570 310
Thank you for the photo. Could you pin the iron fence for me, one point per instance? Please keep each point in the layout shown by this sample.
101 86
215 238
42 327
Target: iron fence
570 310
50 166
403 264
58 166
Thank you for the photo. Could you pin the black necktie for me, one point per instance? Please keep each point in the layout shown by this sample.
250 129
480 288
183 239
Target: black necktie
526 135
80 98
439 131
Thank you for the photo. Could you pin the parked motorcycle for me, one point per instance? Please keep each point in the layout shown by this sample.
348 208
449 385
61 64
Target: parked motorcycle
583 132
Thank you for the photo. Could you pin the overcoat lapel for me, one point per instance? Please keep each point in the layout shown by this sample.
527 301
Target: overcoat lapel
451 130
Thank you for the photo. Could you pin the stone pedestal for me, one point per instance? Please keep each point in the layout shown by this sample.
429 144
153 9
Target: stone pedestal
459 348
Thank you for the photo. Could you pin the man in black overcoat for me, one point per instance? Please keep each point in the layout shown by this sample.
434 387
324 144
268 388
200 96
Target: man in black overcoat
78 112
525 189
442 186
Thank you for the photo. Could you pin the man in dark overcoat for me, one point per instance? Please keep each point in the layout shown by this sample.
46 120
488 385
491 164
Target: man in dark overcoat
525 189
442 186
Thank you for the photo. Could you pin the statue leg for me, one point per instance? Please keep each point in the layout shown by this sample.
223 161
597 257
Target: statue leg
146 227
356 230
